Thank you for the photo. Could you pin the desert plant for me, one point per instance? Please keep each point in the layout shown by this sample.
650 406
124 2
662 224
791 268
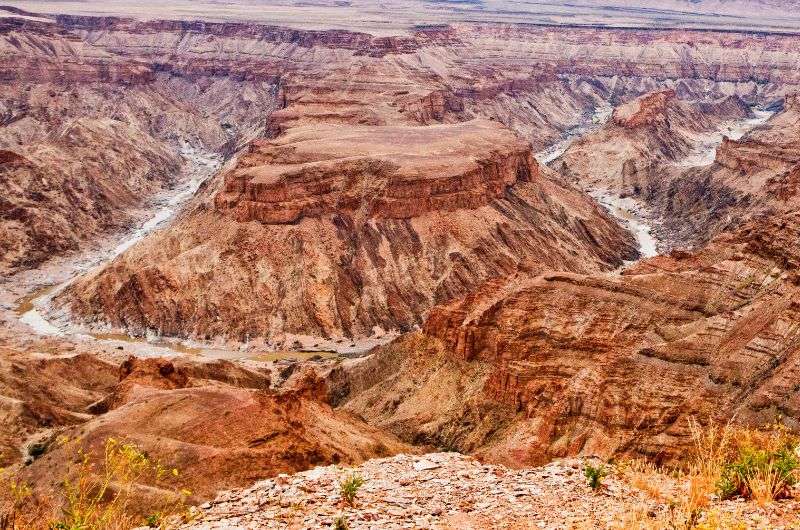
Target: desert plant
99 500
340 523
14 496
595 474
349 488
764 466
95 494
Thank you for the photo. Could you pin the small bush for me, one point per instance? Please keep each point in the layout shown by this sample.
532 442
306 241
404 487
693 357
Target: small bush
94 494
763 468
341 523
14 501
349 488
595 475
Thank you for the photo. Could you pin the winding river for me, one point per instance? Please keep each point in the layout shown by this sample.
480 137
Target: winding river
33 309
629 211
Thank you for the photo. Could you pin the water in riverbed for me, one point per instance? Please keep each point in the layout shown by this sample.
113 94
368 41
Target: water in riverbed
600 116
32 309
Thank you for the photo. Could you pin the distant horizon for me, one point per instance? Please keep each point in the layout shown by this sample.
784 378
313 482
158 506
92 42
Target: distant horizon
401 16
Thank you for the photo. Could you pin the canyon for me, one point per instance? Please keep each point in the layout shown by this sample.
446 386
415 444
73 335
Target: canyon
253 249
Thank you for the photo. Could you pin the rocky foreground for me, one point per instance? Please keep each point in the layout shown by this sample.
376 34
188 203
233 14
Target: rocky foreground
450 490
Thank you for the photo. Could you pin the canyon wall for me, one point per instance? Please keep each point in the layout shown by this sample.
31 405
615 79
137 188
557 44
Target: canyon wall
566 364
679 160
215 86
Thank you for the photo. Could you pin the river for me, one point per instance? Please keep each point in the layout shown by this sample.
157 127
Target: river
631 212
34 310
706 150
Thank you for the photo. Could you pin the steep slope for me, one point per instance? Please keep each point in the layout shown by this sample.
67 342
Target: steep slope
213 85
87 141
46 391
266 277
568 364
656 130
393 185
225 428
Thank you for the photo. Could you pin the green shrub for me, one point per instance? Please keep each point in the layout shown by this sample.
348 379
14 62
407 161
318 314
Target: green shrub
349 488
595 475
759 472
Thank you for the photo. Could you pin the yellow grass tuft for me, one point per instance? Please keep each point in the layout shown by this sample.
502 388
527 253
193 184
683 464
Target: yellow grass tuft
93 495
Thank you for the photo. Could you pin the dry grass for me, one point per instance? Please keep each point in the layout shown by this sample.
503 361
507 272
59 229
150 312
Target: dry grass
725 460
94 494
647 477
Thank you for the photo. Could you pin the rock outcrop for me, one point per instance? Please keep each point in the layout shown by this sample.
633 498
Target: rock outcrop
42 391
385 184
451 491
215 85
700 168
344 246
568 364
223 428
375 172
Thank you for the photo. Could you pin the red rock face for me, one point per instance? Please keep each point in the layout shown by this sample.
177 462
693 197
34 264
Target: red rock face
381 172
644 111
379 196
216 422
325 274
564 364
604 365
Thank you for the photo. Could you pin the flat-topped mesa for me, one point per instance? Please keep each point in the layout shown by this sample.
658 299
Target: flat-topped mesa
396 172
645 110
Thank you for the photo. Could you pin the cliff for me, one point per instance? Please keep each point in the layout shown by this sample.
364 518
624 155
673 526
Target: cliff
379 172
567 364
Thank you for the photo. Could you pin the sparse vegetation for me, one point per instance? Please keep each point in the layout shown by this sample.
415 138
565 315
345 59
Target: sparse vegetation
726 461
595 475
349 488
341 523
93 495
14 500
763 467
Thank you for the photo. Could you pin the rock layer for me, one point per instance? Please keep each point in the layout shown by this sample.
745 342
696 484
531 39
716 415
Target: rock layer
344 273
225 428
677 158
379 172
568 364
